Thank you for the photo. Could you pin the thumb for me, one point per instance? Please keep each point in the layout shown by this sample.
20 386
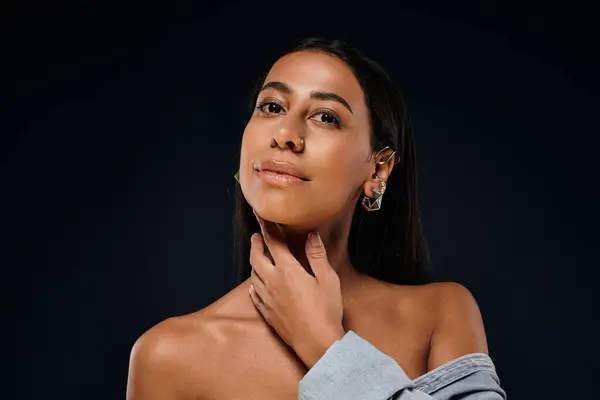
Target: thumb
317 257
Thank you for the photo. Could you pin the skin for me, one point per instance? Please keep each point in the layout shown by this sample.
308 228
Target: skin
259 346
286 294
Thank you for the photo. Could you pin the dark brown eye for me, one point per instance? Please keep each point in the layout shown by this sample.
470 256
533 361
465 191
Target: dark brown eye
269 107
273 108
328 118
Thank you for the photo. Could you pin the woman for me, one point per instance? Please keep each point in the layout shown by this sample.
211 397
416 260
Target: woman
327 162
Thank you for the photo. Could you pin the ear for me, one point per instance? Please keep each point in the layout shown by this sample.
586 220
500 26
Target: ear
384 162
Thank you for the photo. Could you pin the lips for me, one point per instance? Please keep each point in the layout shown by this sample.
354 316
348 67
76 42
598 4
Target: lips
280 167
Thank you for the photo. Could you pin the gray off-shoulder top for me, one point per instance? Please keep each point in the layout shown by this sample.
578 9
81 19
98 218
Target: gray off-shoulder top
354 369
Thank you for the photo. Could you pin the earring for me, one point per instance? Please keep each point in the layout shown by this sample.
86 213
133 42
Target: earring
389 157
237 176
374 204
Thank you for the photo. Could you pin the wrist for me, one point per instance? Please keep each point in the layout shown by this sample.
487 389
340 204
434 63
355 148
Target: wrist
313 349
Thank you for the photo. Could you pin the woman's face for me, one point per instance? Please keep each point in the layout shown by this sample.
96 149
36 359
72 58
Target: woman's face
314 96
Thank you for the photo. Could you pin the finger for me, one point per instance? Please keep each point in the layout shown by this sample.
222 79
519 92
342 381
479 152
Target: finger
274 240
258 303
257 282
317 256
260 263
260 291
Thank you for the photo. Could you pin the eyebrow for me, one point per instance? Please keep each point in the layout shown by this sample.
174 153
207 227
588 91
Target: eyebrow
285 88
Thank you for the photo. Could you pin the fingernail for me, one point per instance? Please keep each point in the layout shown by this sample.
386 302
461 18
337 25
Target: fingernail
315 240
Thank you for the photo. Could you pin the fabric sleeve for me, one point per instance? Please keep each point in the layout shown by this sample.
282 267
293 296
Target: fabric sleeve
354 369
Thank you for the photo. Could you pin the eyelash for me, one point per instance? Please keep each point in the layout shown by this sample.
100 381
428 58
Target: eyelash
338 121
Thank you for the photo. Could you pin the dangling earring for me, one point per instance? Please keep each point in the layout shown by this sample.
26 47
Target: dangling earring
374 204
237 176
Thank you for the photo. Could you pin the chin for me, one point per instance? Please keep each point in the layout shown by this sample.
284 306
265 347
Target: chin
283 210
296 209
282 213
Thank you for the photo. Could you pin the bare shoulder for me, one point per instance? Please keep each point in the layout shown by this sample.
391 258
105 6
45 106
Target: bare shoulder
422 300
459 328
453 303
445 294
433 300
178 357
447 314
171 357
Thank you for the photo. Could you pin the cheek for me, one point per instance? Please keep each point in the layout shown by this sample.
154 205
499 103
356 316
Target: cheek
250 143
252 147
343 160
342 171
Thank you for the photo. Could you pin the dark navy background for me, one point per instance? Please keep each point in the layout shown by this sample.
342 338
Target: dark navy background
122 125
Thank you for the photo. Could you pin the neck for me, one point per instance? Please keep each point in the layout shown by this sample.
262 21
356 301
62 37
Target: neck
334 235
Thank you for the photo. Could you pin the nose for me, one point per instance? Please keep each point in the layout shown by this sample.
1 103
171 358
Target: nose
288 137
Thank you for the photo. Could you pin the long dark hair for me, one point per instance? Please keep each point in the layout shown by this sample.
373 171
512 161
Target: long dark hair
387 244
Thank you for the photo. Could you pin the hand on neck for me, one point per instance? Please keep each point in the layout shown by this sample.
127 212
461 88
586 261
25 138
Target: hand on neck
335 241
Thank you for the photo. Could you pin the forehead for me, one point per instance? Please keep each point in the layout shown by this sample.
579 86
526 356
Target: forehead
307 71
